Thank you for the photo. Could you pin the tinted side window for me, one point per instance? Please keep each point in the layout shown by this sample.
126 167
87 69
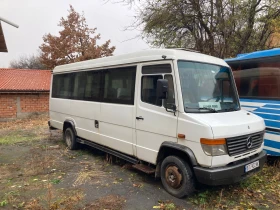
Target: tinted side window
258 82
149 90
61 86
93 86
119 85
156 69
79 86
258 78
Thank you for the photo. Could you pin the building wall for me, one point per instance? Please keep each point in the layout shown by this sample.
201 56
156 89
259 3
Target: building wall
22 105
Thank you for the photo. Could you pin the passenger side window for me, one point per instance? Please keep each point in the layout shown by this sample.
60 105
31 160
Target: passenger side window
61 86
149 90
119 85
93 86
149 84
171 93
79 86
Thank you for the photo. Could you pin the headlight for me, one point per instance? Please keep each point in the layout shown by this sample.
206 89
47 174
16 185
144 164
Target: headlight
214 147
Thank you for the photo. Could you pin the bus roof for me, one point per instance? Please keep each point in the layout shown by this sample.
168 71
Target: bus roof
141 56
254 55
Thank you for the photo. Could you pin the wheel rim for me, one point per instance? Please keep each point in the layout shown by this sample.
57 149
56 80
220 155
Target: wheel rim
68 138
173 177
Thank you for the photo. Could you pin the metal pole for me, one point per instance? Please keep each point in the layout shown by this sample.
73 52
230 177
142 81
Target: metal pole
8 22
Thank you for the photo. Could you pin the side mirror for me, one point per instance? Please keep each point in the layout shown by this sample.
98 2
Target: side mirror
162 88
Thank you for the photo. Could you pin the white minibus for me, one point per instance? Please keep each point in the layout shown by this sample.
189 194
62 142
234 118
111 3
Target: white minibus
174 113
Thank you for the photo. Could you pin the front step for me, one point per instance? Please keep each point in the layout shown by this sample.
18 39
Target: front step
144 168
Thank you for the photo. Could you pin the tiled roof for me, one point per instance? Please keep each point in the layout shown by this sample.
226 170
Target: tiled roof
20 80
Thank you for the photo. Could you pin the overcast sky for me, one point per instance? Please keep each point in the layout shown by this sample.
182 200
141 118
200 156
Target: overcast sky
38 17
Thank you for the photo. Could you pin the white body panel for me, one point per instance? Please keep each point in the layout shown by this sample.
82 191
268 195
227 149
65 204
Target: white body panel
194 130
119 129
230 124
82 113
117 125
140 57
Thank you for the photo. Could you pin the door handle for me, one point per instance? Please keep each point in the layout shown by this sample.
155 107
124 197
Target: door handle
139 118
96 124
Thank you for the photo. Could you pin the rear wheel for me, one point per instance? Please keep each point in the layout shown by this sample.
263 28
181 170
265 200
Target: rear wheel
177 177
70 139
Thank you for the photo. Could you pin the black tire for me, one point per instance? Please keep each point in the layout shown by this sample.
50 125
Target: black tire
70 139
177 177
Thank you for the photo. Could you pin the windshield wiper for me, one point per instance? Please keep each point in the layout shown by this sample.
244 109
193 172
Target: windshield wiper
203 108
230 109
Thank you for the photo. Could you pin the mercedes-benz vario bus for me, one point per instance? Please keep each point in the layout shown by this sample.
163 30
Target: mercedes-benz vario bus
257 77
170 112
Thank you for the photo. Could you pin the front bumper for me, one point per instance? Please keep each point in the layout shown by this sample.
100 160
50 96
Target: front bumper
228 174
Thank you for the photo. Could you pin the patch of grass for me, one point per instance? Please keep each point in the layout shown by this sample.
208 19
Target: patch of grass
22 130
10 198
33 204
166 205
86 176
29 174
259 191
3 203
82 152
55 181
112 202
56 199
119 179
16 137
24 123
8 171
39 163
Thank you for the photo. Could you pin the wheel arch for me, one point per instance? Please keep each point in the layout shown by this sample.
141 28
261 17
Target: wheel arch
69 123
175 149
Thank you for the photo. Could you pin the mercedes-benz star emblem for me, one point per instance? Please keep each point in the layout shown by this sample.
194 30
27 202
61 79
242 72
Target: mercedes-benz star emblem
249 142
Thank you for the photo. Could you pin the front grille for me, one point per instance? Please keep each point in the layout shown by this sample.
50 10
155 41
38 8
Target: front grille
238 145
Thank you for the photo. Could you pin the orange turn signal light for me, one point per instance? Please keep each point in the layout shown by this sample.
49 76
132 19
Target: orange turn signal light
181 136
212 141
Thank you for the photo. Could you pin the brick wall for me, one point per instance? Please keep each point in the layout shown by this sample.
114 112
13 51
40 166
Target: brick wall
23 105
8 106
34 103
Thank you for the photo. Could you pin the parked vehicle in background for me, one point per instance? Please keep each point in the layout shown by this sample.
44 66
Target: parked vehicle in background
257 77
172 113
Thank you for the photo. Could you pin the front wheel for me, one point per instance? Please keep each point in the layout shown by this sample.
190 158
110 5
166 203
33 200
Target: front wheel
177 177
70 139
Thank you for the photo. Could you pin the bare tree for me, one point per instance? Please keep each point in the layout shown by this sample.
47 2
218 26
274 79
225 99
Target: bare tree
222 28
27 62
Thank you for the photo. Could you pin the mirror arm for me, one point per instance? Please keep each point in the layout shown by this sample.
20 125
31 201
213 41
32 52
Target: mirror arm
173 110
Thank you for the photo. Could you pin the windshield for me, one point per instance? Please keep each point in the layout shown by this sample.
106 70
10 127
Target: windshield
207 87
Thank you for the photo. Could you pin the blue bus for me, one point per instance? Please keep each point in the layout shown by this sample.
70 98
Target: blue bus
257 77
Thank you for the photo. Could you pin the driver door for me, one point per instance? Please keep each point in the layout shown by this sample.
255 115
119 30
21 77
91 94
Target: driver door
154 124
